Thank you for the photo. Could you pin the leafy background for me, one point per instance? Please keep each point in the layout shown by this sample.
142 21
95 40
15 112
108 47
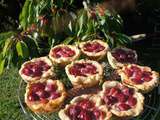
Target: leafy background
145 19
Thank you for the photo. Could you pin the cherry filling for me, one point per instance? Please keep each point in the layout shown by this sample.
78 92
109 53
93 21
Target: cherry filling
124 56
43 92
93 47
84 110
137 75
81 69
63 52
122 98
35 68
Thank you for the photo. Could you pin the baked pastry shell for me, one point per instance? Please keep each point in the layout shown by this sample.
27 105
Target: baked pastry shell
135 111
95 98
45 74
114 63
88 81
144 87
95 55
51 105
65 60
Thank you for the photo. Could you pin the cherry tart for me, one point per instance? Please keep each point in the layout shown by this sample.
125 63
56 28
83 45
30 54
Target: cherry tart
36 69
64 54
45 96
85 107
95 49
140 77
84 73
122 100
120 56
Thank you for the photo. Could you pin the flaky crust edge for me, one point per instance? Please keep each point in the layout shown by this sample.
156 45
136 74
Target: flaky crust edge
46 74
95 56
51 105
88 81
129 113
146 86
64 61
95 98
114 63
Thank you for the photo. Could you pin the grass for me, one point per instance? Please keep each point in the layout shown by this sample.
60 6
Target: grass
9 106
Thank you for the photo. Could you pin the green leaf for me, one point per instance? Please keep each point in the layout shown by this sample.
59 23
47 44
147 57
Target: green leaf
2 64
6 35
23 18
80 24
68 40
7 46
122 38
71 1
22 49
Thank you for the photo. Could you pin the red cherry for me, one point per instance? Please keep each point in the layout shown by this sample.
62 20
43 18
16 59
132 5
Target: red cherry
128 91
137 77
69 52
121 97
63 52
37 87
135 69
73 71
97 114
86 104
120 55
129 72
37 71
114 91
33 97
84 115
123 107
46 67
107 91
50 88
137 81
40 63
44 100
27 71
42 94
93 47
54 95
73 111
29 65
35 68
55 51
132 101
131 57
109 100
146 76
81 69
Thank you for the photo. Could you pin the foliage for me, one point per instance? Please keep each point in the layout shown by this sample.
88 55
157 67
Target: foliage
44 24
97 23
16 49
47 15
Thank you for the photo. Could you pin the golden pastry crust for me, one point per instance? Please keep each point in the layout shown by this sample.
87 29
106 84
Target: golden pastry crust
135 111
95 55
50 105
94 98
145 86
45 74
65 60
114 63
85 81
